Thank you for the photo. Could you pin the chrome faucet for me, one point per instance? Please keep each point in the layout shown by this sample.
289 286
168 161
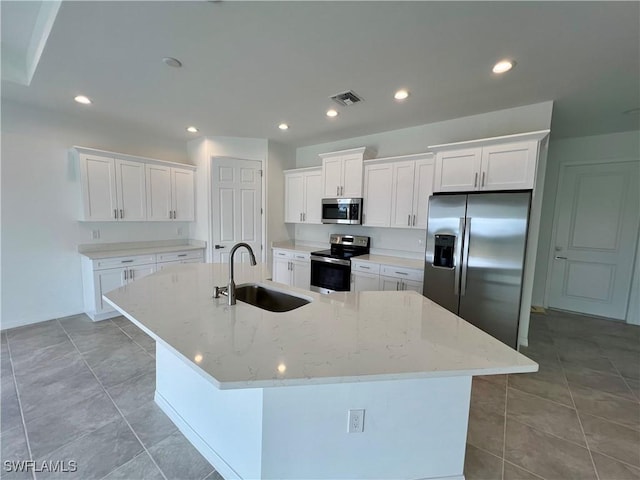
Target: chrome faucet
230 289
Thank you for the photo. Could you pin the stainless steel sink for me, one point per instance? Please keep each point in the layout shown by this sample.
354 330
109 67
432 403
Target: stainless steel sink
268 299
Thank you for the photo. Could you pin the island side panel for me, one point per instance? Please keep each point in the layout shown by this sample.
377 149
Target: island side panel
413 429
224 425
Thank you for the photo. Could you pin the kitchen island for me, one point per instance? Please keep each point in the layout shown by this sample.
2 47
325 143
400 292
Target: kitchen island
267 395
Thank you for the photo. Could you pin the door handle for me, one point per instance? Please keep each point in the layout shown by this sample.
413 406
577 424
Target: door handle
465 256
457 257
560 258
218 247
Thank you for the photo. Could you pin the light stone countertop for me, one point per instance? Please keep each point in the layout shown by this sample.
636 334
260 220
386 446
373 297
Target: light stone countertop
112 250
342 337
297 247
388 260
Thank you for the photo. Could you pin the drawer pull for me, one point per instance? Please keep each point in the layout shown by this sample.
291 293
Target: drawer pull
127 261
366 268
402 273
182 255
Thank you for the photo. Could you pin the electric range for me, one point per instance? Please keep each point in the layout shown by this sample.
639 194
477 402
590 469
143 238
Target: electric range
331 269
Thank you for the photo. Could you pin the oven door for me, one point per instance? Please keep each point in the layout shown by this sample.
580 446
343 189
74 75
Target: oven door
346 211
330 274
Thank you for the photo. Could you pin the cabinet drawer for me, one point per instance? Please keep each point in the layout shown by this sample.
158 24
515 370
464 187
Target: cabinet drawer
185 255
365 267
401 272
283 254
301 256
114 262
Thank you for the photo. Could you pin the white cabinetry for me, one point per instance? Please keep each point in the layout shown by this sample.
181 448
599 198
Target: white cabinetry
368 276
170 193
397 190
292 267
303 195
500 163
342 173
100 276
112 189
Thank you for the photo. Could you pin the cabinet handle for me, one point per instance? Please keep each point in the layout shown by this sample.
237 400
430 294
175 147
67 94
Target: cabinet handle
341 190
130 274
175 214
125 274
126 261
304 217
482 185
115 213
409 220
182 255
475 180
170 214
414 219
397 285
121 213
366 268
402 273
300 216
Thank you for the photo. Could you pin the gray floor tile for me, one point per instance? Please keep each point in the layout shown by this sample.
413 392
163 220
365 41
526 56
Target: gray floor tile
214 476
108 336
488 395
486 430
610 469
79 322
610 407
134 392
144 340
511 472
586 364
627 363
546 455
634 385
49 432
613 384
611 439
63 367
150 424
34 337
13 444
42 357
530 383
499 379
139 468
56 398
10 417
480 465
115 370
99 452
545 415
123 349
177 458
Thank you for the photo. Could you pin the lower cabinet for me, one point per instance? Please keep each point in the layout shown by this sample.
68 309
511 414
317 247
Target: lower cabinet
103 275
368 276
292 267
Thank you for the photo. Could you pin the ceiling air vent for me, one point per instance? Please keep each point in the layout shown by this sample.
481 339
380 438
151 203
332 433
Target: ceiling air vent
346 98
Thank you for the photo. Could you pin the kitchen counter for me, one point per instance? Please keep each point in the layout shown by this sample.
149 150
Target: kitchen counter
297 247
111 250
389 260
272 395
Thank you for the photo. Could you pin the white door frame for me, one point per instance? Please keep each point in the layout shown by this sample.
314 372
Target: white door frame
554 230
263 220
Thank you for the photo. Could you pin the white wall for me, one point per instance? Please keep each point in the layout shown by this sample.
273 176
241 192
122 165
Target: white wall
41 204
280 158
604 148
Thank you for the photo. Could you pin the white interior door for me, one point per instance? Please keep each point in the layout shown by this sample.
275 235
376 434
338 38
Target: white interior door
236 205
596 230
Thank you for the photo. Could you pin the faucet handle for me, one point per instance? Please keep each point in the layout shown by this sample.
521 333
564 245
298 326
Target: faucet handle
217 291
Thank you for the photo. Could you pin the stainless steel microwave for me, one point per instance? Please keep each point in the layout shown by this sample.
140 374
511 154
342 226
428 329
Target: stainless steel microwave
346 211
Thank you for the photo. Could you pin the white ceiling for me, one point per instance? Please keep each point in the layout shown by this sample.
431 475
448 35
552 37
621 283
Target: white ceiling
247 66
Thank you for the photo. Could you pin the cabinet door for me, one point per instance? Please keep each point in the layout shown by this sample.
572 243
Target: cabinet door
402 197
105 281
363 282
509 167
136 273
183 195
293 197
352 176
422 190
389 284
302 275
377 195
313 197
412 285
158 192
98 188
458 170
281 270
132 199
332 175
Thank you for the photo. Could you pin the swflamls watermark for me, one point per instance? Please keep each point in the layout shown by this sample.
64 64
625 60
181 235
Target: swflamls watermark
57 466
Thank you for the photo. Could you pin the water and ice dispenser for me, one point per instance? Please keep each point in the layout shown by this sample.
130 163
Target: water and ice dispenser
443 254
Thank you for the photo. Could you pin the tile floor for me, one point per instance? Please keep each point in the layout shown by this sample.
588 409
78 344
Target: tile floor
84 391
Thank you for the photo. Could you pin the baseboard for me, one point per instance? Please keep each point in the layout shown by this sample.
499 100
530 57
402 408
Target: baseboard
222 467
96 317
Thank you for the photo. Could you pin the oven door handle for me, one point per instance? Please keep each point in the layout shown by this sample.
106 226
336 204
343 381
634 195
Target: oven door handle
337 261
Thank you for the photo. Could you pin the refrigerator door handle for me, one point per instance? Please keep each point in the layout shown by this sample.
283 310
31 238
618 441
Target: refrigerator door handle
465 259
458 258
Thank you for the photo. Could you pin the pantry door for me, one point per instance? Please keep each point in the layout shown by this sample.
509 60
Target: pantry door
236 205
596 230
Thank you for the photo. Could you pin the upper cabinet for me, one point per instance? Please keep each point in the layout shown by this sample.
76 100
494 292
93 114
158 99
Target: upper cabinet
500 163
303 195
119 187
397 190
342 172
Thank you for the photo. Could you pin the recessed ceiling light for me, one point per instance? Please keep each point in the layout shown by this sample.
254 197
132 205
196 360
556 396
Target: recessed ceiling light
172 62
401 94
503 66
82 99
192 130
283 126
332 113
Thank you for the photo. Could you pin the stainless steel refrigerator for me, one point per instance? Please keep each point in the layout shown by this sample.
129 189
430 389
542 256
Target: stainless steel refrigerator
474 258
